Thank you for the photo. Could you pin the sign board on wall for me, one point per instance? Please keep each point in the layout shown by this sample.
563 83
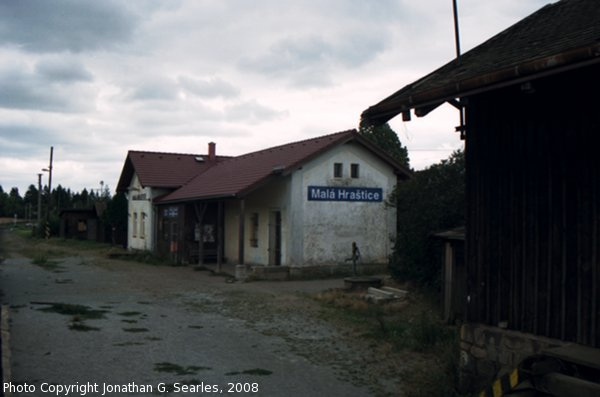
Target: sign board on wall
329 193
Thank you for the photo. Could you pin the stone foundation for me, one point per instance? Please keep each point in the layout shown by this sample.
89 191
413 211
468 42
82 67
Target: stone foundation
487 353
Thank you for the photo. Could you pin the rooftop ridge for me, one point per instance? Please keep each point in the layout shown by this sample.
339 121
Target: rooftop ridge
289 144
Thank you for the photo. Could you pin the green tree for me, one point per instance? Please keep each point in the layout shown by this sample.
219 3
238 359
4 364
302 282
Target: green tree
432 201
387 139
3 200
115 216
14 204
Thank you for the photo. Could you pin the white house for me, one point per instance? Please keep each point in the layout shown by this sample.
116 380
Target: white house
147 176
299 204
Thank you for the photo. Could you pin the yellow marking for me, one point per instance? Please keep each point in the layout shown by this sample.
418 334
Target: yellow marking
514 378
497 388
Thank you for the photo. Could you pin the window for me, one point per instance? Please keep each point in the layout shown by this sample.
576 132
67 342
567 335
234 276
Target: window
143 225
337 170
254 230
134 228
354 170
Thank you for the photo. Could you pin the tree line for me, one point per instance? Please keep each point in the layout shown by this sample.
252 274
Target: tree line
25 207
431 201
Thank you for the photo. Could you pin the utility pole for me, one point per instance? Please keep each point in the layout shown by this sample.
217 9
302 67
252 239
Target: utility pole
49 170
39 209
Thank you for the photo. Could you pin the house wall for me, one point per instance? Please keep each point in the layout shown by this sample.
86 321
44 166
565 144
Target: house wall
139 201
318 232
329 227
273 197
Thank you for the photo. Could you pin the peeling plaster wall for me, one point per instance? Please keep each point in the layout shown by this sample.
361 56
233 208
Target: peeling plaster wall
318 232
330 227
273 197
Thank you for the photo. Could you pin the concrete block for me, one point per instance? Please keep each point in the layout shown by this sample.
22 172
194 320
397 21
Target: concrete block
398 293
478 352
379 293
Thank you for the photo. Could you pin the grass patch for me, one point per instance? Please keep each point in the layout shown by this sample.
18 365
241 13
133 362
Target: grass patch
123 344
253 371
141 257
129 321
80 326
63 281
128 314
178 369
411 326
83 312
195 326
152 338
136 329
47 264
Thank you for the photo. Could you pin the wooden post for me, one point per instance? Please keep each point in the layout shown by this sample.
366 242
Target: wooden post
241 237
199 218
220 235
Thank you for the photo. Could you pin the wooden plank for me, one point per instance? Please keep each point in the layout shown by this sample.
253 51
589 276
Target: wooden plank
220 235
241 231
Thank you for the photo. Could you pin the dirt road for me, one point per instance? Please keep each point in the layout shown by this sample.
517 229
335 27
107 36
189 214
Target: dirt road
81 320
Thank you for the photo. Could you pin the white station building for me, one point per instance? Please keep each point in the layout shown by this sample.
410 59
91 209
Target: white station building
296 205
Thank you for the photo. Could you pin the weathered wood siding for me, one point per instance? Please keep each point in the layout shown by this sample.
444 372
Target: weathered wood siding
533 197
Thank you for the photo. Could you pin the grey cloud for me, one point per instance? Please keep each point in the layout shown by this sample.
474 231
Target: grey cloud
27 140
309 60
61 70
59 25
23 89
155 90
210 88
252 112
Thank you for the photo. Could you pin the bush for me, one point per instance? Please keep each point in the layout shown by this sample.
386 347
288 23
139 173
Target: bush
432 201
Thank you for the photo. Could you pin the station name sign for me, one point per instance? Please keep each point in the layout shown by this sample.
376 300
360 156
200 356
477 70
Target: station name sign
329 193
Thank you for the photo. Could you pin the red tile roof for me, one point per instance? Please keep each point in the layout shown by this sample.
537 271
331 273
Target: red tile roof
239 175
162 170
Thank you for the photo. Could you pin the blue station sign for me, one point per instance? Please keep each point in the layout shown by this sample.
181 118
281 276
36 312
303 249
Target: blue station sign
330 193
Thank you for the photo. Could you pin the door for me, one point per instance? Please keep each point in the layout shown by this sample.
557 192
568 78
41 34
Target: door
275 238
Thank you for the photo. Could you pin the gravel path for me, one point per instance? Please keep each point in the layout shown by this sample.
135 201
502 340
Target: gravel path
172 325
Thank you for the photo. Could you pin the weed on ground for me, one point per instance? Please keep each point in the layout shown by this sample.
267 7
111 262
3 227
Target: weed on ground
128 314
47 264
84 312
178 369
81 326
136 329
253 371
412 326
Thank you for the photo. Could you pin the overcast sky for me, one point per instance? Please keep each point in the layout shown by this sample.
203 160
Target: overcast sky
98 78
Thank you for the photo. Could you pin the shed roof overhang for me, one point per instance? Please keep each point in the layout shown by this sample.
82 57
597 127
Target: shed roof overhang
427 93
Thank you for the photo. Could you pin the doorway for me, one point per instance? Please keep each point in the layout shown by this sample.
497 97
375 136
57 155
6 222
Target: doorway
275 238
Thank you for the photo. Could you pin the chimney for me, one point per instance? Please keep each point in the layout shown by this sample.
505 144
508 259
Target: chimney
211 151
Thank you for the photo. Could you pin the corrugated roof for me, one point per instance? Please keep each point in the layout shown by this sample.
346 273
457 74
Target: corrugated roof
560 35
238 175
162 170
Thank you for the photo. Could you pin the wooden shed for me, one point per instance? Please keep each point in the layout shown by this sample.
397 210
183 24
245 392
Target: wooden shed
83 223
530 98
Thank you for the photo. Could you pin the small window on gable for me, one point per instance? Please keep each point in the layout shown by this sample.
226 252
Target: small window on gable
354 170
337 170
254 230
